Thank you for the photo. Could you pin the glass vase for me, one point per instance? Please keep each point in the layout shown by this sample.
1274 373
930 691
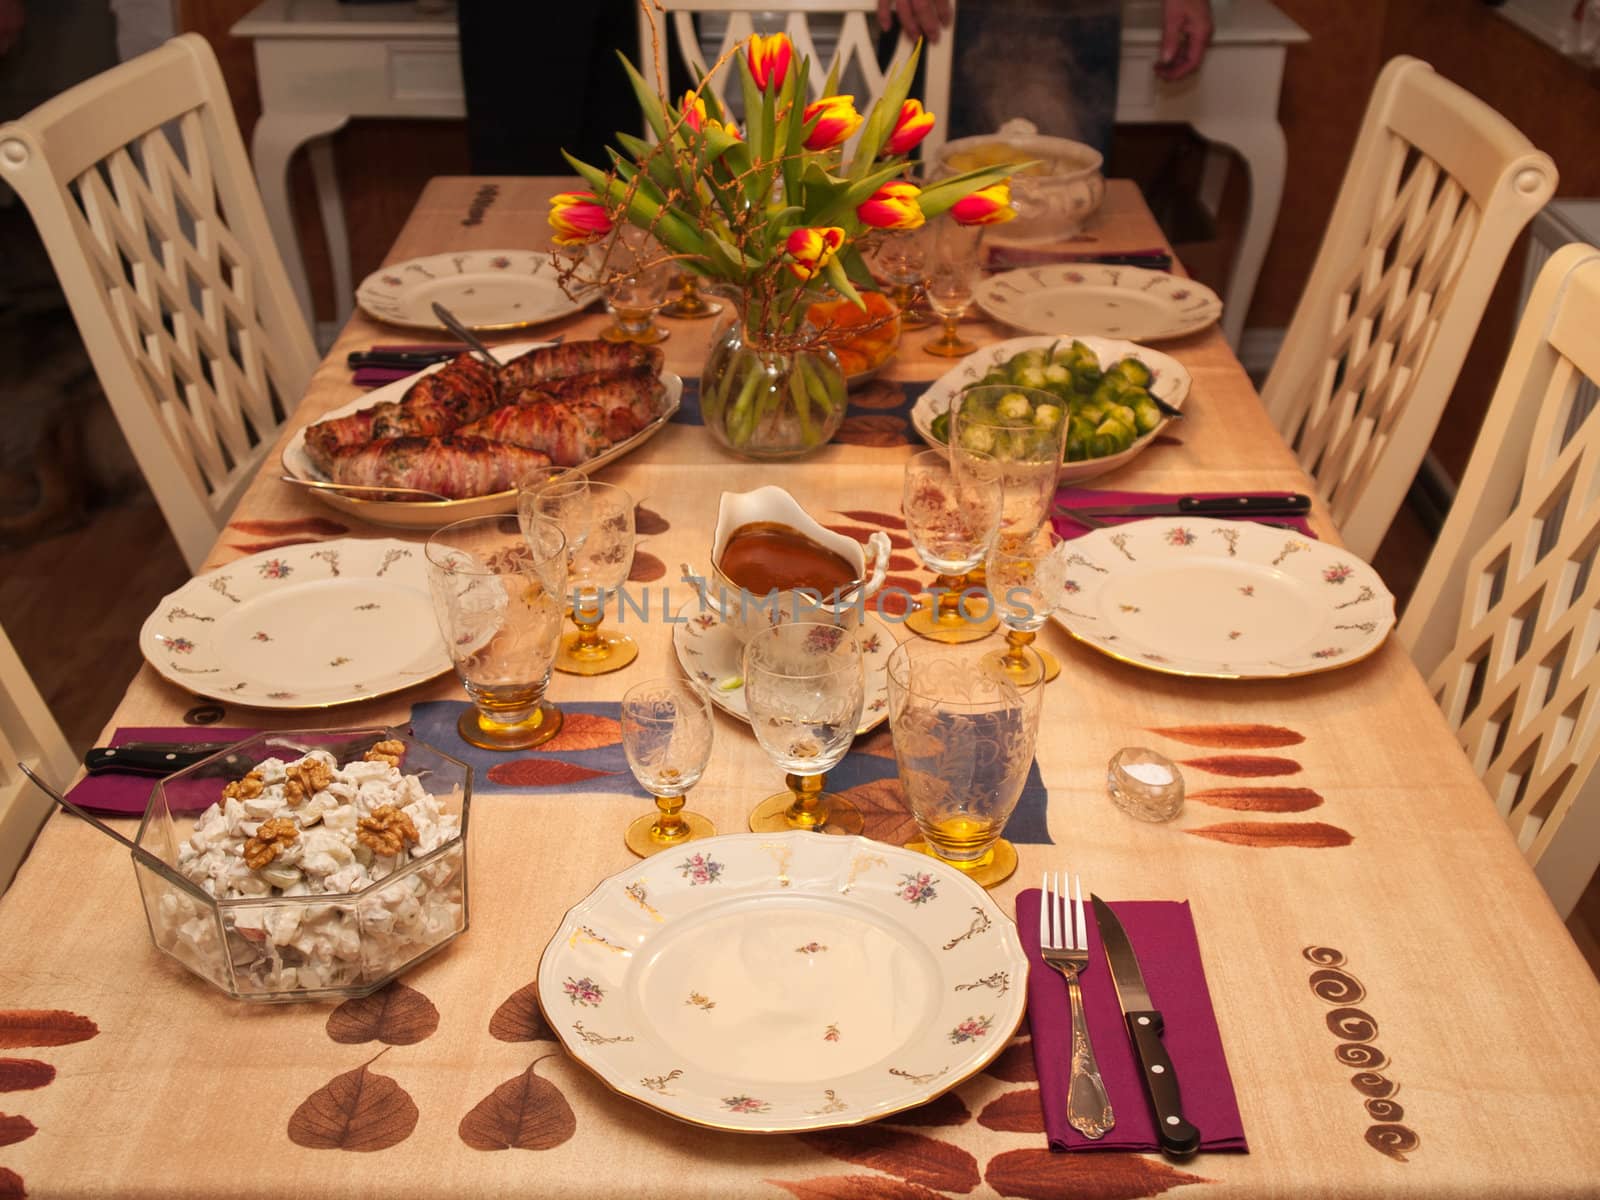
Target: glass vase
763 398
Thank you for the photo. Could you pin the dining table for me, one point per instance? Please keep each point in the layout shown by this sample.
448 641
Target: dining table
1402 1010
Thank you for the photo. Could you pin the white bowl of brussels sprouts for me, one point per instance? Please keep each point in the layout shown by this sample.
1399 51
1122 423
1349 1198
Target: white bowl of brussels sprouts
1114 392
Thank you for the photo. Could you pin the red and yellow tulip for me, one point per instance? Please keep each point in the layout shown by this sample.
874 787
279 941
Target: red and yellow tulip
892 206
986 206
810 250
836 118
694 116
578 218
910 127
768 59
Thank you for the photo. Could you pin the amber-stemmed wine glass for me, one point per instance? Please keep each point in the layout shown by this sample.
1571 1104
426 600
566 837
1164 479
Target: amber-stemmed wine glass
953 251
805 687
689 304
902 259
666 734
636 288
952 520
598 522
498 586
964 738
1027 577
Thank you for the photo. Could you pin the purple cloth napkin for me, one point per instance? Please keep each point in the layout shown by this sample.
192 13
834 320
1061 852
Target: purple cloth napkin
378 376
1162 933
114 795
1091 498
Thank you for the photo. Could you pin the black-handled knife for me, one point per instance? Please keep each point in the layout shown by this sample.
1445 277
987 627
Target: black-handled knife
399 359
150 758
1288 505
1176 1135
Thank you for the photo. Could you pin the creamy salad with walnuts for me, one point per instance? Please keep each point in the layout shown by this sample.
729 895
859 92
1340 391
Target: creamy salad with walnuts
312 827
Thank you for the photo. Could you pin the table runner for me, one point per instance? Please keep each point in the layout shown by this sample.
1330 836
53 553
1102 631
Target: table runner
1401 1009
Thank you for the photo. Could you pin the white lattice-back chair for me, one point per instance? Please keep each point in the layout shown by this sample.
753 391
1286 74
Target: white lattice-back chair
138 182
1437 189
855 51
1505 621
28 734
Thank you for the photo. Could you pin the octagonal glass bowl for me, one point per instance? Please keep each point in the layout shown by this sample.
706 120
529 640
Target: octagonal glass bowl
279 947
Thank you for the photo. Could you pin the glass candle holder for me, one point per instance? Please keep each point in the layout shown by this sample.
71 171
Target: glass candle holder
1145 784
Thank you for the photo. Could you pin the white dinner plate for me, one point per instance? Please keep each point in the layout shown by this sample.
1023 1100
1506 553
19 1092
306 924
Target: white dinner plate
434 514
1222 599
487 290
711 656
768 983
306 626
1168 382
1120 302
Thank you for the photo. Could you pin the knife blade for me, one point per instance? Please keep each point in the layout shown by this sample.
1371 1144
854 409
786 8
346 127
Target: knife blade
150 758
1294 504
1176 1135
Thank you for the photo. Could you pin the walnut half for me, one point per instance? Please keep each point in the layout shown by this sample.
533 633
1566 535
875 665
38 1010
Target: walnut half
386 831
390 751
271 837
247 788
306 778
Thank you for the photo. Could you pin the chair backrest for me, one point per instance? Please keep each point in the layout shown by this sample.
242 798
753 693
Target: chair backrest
1505 621
1437 188
138 182
855 51
28 734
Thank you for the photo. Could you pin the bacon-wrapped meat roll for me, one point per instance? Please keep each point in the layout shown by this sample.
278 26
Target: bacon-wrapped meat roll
575 358
568 433
457 467
630 399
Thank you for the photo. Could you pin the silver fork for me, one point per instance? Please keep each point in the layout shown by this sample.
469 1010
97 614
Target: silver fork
1064 944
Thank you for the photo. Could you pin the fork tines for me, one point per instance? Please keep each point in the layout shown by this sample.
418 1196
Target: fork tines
1058 931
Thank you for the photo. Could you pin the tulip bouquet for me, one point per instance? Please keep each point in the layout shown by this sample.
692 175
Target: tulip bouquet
776 214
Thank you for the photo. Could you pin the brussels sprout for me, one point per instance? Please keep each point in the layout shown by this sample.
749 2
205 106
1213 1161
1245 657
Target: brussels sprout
1132 370
1057 375
1037 358
1147 414
941 426
1014 406
995 378
978 437
1121 433
1086 379
1125 414
1029 377
1075 449
1047 416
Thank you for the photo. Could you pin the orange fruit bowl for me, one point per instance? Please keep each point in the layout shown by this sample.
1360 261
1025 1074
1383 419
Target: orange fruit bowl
863 340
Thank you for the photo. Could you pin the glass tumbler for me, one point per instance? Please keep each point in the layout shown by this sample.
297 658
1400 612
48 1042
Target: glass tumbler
498 595
964 739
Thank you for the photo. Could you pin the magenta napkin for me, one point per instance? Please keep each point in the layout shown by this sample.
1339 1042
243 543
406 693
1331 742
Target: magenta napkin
1000 256
1091 498
378 376
112 795
1162 933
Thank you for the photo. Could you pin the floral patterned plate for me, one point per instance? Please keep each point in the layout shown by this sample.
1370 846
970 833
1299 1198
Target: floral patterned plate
1222 599
1169 382
487 290
1121 302
711 656
305 626
767 983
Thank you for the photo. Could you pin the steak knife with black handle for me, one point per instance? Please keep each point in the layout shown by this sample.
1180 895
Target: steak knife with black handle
1176 1135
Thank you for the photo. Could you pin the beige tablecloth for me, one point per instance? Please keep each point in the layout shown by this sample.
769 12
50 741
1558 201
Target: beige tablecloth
1402 1010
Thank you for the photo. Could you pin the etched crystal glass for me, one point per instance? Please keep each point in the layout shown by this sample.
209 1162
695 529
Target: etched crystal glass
666 734
805 688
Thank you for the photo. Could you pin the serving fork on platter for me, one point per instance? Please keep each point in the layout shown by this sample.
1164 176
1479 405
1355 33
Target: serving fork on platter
1064 945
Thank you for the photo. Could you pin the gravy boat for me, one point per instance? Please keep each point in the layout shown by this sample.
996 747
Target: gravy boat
745 613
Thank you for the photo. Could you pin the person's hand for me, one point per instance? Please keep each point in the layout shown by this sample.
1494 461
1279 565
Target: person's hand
1185 31
919 18
12 18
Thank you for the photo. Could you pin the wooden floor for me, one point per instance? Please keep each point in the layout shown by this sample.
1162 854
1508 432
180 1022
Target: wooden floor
73 604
